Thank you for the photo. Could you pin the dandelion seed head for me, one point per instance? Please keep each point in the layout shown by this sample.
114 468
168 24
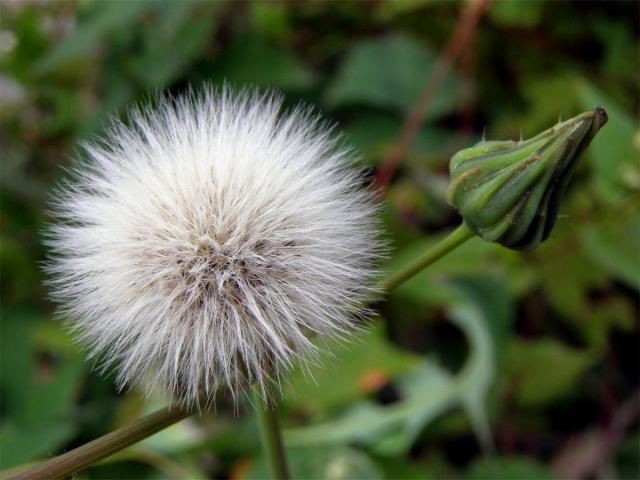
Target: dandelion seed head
201 244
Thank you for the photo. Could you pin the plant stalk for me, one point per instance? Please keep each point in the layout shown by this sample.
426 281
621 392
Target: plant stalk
456 238
270 436
82 457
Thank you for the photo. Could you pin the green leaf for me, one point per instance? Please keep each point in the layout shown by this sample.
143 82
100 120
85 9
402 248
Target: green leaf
17 360
627 457
251 61
517 13
425 393
341 463
38 396
491 294
542 371
568 279
342 368
614 246
173 41
477 375
270 19
549 97
428 392
568 283
508 468
26 443
101 16
53 397
615 154
373 131
389 72
387 11
432 466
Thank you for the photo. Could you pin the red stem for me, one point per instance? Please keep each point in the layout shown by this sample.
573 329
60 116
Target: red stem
458 41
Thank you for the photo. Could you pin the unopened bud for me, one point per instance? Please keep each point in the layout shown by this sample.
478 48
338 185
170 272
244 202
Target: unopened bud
508 192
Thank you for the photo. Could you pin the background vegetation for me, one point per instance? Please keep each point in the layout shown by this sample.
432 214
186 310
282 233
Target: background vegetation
492 364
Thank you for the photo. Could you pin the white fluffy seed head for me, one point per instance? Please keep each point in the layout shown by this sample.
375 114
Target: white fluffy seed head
201 244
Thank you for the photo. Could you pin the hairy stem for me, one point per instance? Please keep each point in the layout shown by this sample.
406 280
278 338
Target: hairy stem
270 436
446 245
71 462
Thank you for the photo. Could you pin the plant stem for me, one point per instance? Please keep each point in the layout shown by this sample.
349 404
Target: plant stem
270 436
450 242
457 43
71 462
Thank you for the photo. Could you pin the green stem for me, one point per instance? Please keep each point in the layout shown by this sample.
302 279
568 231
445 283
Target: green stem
75 460
270 436
439 250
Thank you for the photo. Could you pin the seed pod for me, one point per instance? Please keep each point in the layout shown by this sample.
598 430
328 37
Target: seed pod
508 192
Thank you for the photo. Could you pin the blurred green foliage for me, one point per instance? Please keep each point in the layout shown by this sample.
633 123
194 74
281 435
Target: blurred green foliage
491 364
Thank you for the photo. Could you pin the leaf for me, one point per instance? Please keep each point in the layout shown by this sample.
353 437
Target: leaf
568 283
614 154
372 132
517 13
18 362
614 245
52 395
627 457
477 375
38 397
491 294
541 371
568 279
101 16
389 72
270 20
549 98
508 468
250 61
38 392
487 319
388 11
338 376
425 393
432 466
342 463
431 393
173 41
26 443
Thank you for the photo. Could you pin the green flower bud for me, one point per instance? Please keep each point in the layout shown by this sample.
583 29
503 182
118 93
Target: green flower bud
508 192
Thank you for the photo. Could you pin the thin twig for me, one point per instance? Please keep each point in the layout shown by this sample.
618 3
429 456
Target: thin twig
459 40
452 241
588 454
